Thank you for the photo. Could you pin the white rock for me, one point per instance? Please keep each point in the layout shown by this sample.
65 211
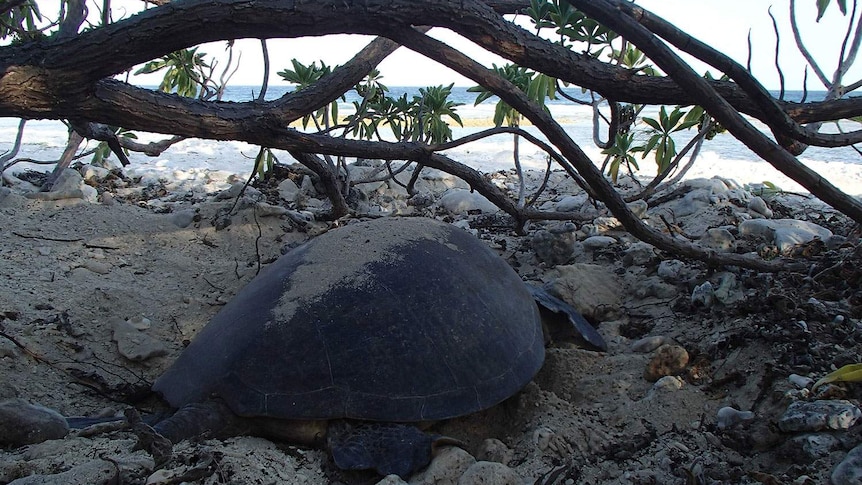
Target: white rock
134 344
571 203
819 415
849 471
758 205
446 468
639 208
460 201
784 233
490 473
729 417
801 382
703 294
288 190
718 238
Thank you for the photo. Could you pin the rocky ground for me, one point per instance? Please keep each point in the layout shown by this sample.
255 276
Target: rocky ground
708 376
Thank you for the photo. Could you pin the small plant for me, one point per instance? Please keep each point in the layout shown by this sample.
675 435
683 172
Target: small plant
103 151
622 153
661 139
183 71
303 76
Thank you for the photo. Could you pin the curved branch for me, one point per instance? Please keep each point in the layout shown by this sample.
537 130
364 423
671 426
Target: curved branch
518 100
78 65
775 117
797 36
566 166
614 15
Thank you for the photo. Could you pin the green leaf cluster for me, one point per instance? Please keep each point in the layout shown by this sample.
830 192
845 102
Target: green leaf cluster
20 23
661 130
103 151
305 75
263 162
183 71
622 153
822 5
570 25
423 117
537 86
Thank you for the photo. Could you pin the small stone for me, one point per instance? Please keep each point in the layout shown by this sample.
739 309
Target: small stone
140 322
8 349
553 248
288 190
97 267
719 239
758 205
784 233
703 294
495 450
638 208
819 415
666 384
602 225
849 471
93 173
593 243
447 467
134 344
801 382
571 203
639 254
726 285
22 423
674 270
653 286
491 473
669 360
648 344
268 210
239 188
392 480
816 445
69 185
184 218
590 288
728 417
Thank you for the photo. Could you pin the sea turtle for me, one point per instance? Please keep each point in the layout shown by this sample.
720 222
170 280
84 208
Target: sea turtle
396 320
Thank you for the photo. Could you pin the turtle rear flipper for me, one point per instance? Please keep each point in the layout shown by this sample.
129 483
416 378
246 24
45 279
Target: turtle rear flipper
387 448
211 418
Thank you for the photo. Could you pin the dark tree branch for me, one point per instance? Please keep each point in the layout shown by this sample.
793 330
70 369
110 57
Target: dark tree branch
78 65
518 100
774 116
615 16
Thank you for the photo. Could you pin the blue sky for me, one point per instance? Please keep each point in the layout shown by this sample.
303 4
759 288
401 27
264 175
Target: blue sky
724 24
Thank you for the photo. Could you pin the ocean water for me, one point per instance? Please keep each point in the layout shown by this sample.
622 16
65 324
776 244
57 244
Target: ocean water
459 94
578 121
45 140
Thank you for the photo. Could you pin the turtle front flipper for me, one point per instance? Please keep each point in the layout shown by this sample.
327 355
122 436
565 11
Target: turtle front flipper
387 448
